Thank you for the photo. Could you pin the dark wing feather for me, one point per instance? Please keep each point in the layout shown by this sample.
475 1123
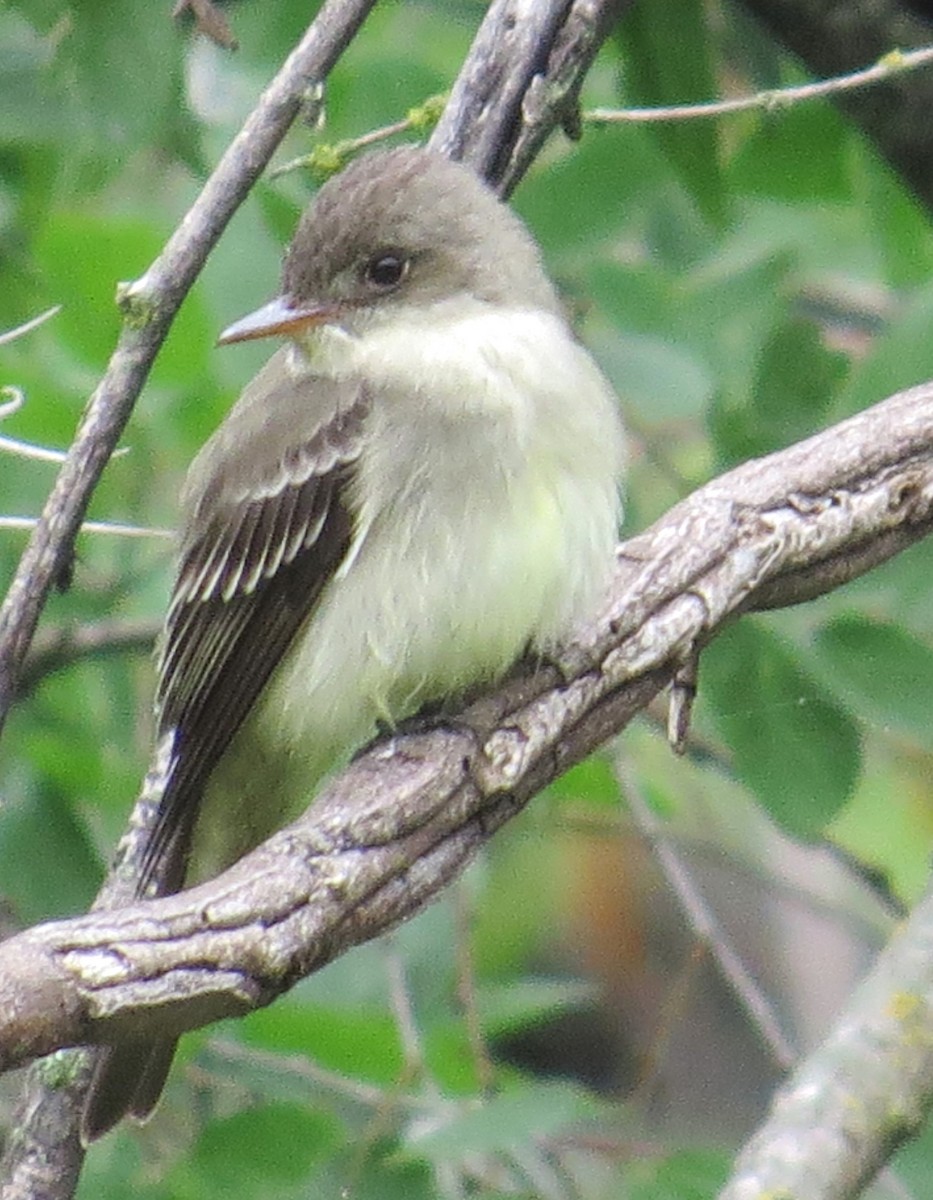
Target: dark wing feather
248 578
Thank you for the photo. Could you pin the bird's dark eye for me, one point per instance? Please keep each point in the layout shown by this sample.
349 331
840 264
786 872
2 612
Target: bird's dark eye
386 270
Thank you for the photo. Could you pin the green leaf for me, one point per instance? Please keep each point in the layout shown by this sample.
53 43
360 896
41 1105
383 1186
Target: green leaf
886 825
605 194
47 866
138 61
383 1176
509 1120
781 158
634 296
520 1003
358 1043
670 61
659 379
792 743
690 1175
257 1152
794 386
116 1168
899 222
592 781
881 669
29 109
901 357
657 375
730 308
83 259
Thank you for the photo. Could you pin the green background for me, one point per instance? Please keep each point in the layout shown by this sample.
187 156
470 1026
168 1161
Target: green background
743 282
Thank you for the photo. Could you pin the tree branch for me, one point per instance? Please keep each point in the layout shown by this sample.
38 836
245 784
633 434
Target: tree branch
520 82
480 123
858 1097
394 828
55 649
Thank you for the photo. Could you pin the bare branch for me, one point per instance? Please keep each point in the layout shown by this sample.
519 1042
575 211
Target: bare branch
394 828
896 62
54 649
478 124
853 1101
707 928
519 82
553 96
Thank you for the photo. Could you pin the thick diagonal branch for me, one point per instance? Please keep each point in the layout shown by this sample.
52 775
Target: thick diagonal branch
405 817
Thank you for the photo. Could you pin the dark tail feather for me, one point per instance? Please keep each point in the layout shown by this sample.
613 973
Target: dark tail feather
127 1081
128 1077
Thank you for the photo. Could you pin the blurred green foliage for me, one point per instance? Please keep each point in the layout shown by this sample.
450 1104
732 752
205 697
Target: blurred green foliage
743 282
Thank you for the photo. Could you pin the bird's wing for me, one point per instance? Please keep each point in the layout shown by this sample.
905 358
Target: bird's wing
268 527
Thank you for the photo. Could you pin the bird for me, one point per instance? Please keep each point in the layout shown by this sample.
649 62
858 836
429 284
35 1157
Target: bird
420 486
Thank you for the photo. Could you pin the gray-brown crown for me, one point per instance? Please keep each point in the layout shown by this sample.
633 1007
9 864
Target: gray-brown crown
452 231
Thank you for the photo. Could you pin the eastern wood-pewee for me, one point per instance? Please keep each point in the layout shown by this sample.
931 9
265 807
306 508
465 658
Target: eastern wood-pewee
421 484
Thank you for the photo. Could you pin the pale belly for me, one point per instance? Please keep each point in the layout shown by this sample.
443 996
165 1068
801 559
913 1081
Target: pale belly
406 625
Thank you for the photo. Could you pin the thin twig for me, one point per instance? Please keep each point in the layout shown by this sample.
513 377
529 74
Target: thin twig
466 990
305 1069
114 528
20 449
403 1008
13 405
447 1176
328 158
703 922
898 62
10 335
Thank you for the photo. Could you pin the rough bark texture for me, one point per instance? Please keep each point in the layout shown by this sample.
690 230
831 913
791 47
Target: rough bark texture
393 829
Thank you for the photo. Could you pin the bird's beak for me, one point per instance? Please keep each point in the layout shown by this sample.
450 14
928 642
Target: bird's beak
280 316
